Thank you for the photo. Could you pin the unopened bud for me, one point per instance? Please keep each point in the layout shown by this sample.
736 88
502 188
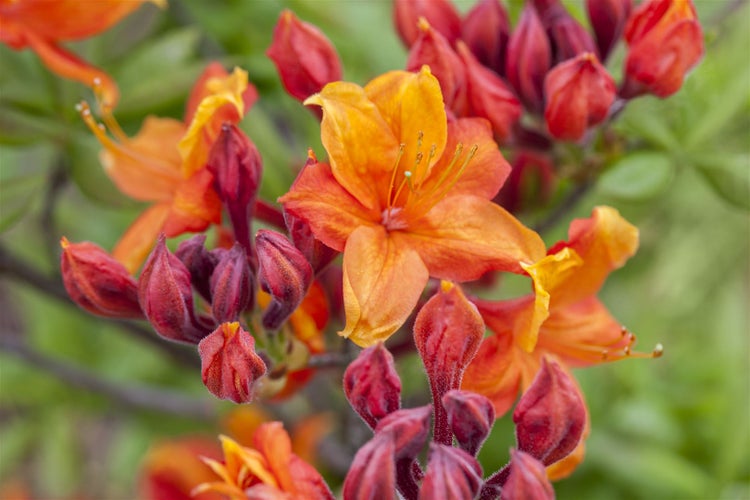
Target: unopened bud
579 93
440 14
527 479
98 283
372 385
485 31
232 288
470 417
451 473
550 416
608 18
373 471
284 273
408 429
315 251
567 35
305 59
229 364
528 59
166 297
199 261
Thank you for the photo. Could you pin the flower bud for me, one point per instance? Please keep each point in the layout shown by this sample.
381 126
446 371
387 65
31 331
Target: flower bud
199 261
567 35
372 385
489 96
665 41
431 48
373 471
447 333
528 59
451 473
485 30
315 251
98 283
470 417
608 18
440 14
550 416
232 289
408 429
305 59
527 479
284 273
229 363
578 95
166 297
530 183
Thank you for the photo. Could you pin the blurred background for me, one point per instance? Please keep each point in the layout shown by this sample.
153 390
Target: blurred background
82 399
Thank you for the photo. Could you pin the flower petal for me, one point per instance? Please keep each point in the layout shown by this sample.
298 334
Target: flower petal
383 280
273 442
464 236
494 372
194 207
140 237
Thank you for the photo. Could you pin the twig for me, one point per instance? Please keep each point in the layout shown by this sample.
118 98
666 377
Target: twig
55 183
329 360
145 398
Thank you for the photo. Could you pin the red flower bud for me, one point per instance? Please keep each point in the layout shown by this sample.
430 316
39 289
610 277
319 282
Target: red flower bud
232 289
447 333
527 479
284 273
440 14
372 385
451 473
166 297
432 49
470 417
530 183
665 41
305 59
229 363
550 415
608 18
579 93
98 283
485 30
373 471
199 261
489 96
315 251
528 59
408 429
568 37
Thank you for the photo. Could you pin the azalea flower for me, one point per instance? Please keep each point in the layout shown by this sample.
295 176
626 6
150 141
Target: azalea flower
164 163
41 25
406 196
563 319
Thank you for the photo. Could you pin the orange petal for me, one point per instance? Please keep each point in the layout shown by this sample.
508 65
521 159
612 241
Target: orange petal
332 212
464 236
140 237
237 458
200 90
195 206
494 372
361 146
382 283
273 442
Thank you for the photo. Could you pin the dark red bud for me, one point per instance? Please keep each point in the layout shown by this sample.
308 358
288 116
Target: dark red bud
528 59
166 297
408 429
98 283
451 473
372 474
447 333
440 14
608 18
530 183
579 93
470 417
550 415
284 273
568 37
527 479
485 30
372 385
431 48
229 363
489 95
199 261
232 289
305 59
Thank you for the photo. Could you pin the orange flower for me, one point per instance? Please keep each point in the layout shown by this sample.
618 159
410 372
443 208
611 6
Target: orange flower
406 197
165 162
562 319
268 470
41 25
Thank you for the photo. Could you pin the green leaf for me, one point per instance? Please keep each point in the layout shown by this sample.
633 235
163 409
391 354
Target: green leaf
637 177
647 118
728 176
88 174
22 176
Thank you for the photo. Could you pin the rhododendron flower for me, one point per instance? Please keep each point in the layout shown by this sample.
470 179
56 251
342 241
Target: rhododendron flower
563 318
41 25
165 162
406 196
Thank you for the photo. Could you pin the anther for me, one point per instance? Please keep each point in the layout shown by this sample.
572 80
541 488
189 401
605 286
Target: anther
658 350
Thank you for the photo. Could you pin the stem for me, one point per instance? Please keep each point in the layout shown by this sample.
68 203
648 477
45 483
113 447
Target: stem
269 214
562 210
406 469
493 484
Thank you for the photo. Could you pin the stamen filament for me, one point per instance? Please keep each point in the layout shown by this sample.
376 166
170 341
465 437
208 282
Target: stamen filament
392 199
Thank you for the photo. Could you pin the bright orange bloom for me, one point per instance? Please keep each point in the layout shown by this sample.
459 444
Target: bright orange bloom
406 196
41 25
268 470
165 162
563 319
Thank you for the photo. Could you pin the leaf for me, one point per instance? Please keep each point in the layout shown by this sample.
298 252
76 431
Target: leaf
638 176
728 176
647 118
88 174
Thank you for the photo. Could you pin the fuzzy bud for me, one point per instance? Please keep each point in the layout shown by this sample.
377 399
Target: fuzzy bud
451 473
199 261
408 428
440 14
232 288
608 18
485 31
372 385
470 417
527 479
567 35
373 471
315 251
528 59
